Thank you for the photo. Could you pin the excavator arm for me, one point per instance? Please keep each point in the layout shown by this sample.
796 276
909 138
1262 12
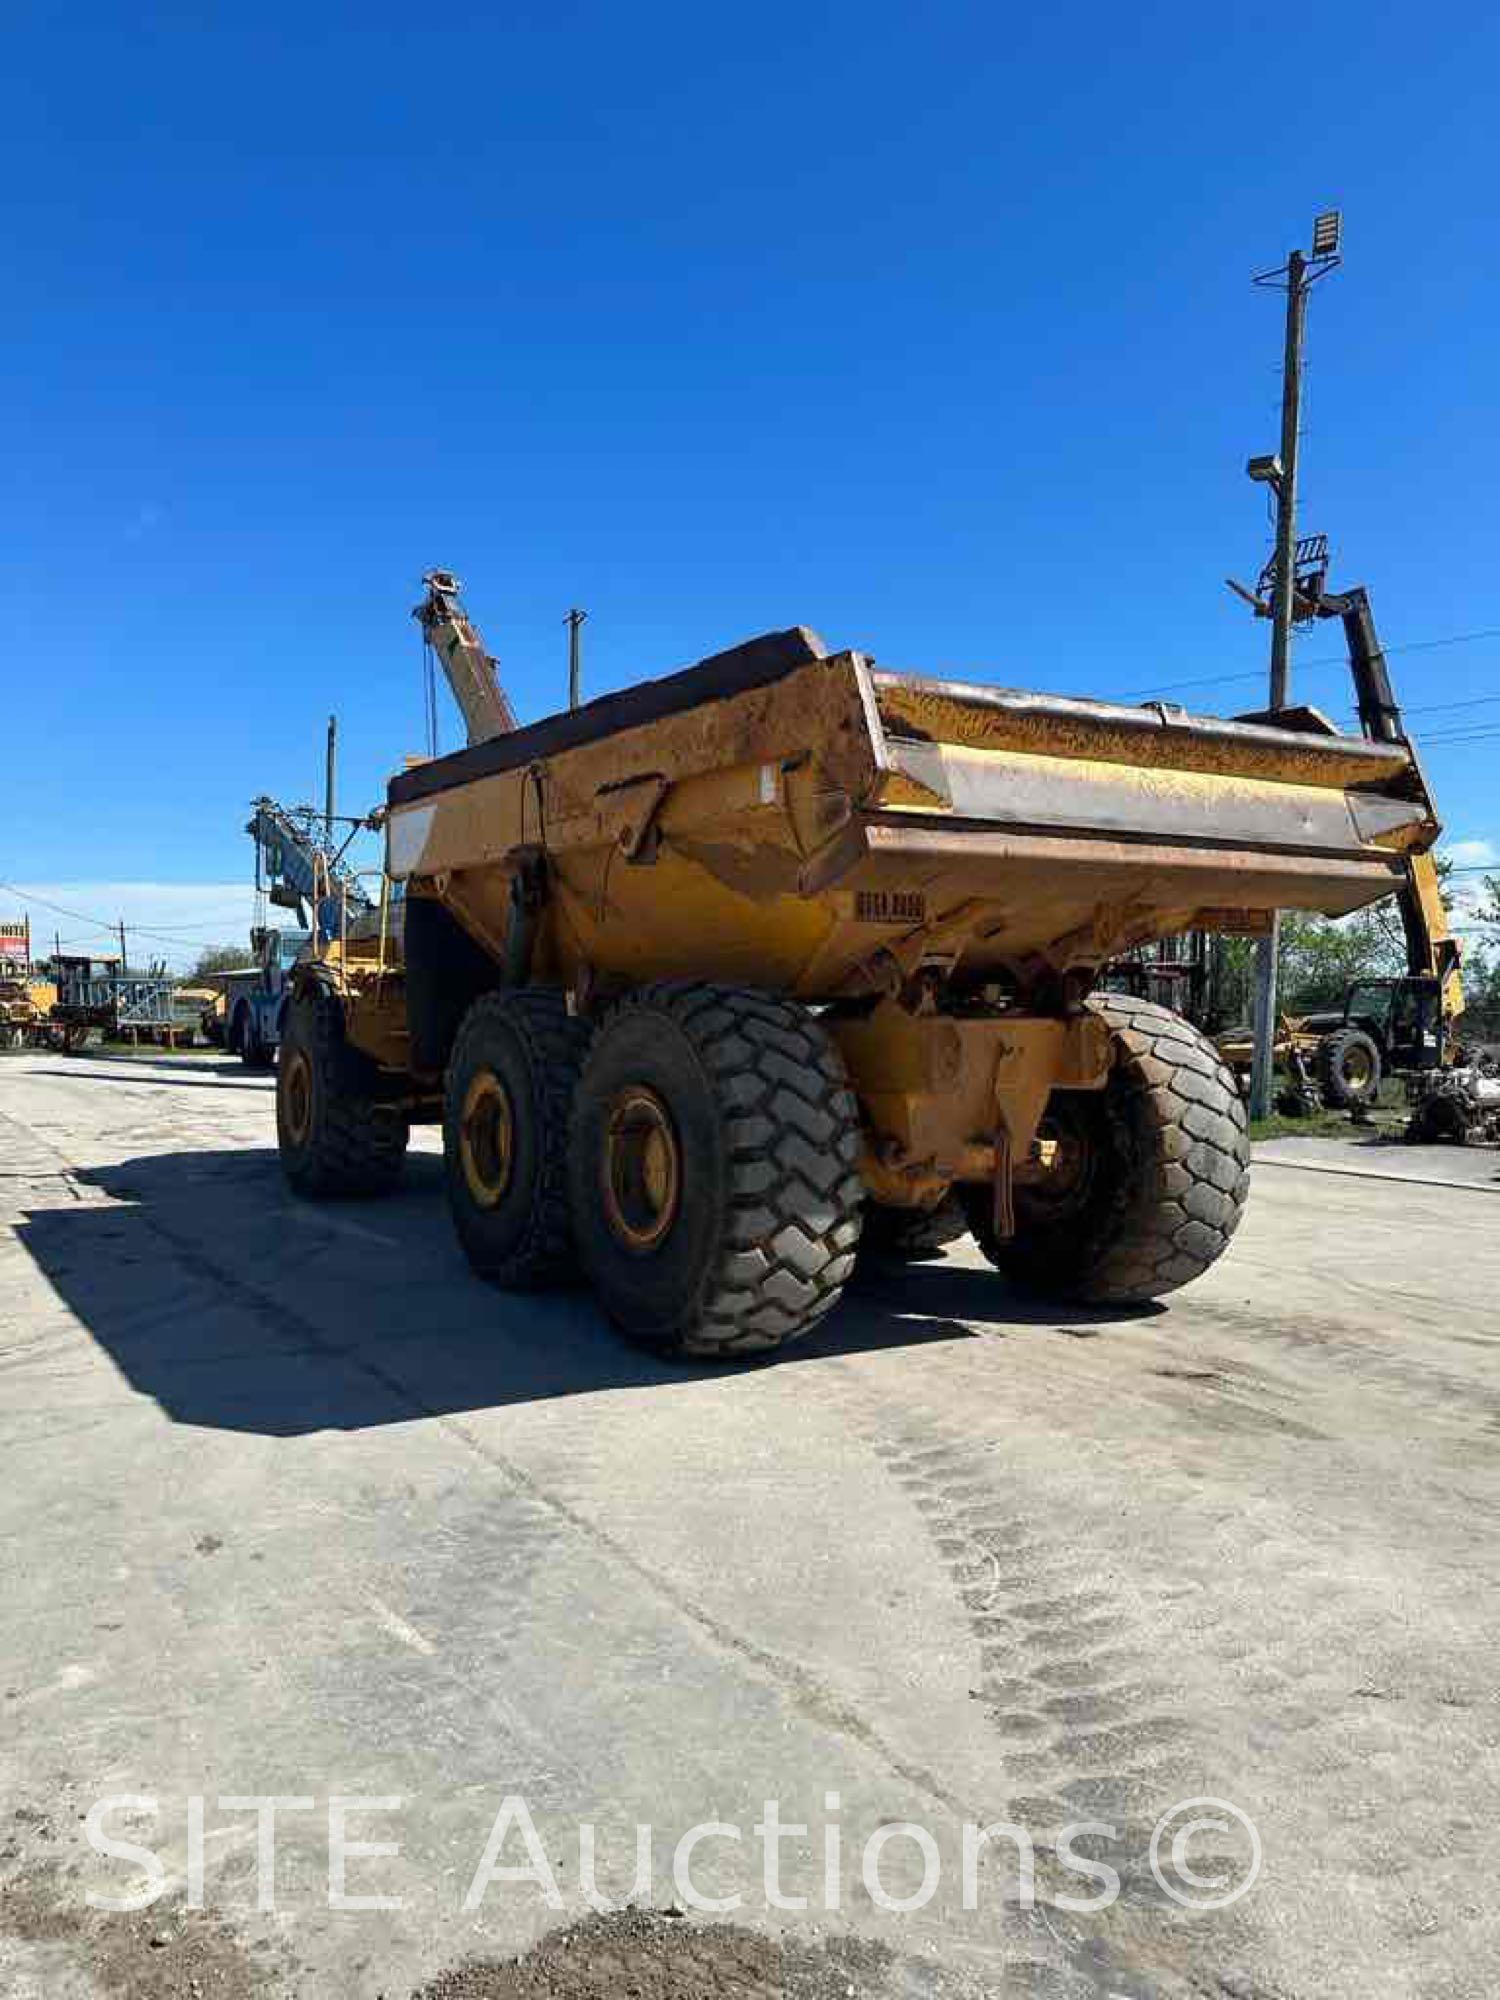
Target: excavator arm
1431 948
1432 951
470 669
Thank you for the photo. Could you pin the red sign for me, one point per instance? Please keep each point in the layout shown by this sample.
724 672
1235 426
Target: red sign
15 944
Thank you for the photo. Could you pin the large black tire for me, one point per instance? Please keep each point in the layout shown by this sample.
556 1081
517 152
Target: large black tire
335 1135
1157 1170
249 1047
509 1095
1348 1064
716 1196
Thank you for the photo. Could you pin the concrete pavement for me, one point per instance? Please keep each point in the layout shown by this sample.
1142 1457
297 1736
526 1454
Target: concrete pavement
296 1507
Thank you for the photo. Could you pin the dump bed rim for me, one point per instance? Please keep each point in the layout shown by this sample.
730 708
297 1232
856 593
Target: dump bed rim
755 664
1145 718
773 655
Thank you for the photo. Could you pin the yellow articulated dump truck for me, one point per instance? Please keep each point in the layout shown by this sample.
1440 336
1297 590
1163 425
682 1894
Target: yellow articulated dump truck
697 973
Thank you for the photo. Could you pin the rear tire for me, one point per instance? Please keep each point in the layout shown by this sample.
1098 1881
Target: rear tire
1158 1171
248 1044
1348 1069
715 1191
334 1134
509 1093
894 1235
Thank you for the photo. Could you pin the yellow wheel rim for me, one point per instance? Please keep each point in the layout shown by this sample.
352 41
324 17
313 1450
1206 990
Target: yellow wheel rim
1357 1066
297 1095
642 1169
486 1138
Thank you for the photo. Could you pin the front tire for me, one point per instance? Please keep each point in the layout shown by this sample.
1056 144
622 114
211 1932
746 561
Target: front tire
334 1134
1348 1069
715 1193
509 1092
1151 1174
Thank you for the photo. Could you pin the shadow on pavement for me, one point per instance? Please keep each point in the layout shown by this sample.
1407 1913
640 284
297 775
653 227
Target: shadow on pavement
146 1057
235 1306
211 1076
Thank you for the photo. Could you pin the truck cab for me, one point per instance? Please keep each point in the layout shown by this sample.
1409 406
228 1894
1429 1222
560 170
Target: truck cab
1402 1017
256 999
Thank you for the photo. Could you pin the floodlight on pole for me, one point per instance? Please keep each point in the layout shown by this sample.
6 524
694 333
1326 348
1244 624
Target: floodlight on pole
1328 230
1265 469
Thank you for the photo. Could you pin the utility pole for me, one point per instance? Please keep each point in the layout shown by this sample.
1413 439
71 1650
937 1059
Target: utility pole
574 622
1286 488
329 775
122 944
1295 277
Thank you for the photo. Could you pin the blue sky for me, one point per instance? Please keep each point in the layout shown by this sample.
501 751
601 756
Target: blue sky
929 327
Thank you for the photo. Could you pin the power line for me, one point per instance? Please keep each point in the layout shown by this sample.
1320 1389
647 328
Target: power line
1462 736
58 909
196 930
1439 707
178 940
1329 660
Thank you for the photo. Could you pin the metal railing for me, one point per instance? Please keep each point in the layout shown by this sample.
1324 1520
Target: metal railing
375 914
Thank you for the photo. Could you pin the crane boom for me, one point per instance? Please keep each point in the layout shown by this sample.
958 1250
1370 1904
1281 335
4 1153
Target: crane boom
470 669
294 859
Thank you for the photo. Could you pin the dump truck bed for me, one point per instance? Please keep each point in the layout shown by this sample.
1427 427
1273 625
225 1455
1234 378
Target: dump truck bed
784 817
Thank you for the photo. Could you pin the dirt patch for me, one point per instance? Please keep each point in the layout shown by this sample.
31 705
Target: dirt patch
53 1943
650 1955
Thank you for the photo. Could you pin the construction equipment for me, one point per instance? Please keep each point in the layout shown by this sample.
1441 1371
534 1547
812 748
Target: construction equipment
296 866
1458 1106
297 869
20 1017
1172 971
694 973
471 671
101 995
203 1009
1383 1026
256 996
209 1003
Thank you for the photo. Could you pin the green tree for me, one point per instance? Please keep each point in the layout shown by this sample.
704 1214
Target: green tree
217 958
1320 956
